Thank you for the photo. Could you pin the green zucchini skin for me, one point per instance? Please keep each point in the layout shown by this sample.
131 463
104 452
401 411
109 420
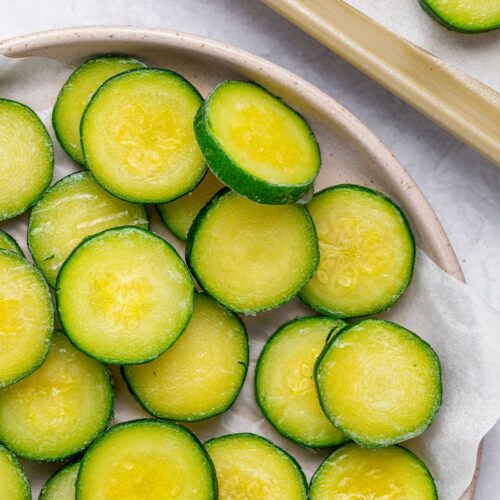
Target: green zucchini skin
197 223
50 486
132 198
339 314
340 324
26 494
337 451
67 88
231 174
150 408
148 422
7 242
374 444
452 26
45 183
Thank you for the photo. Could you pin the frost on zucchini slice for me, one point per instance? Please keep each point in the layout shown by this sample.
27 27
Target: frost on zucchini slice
60 408
178 215
366 249
146 459
251 257
72 209
355 472
26 158
284 382
138 139
61 485
13 482
7 242
249 466
124 296
471 16
379 383
256 144
201 374
76 94
26 318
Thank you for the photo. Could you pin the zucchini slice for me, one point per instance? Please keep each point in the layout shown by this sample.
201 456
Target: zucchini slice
72 209
60 408
367 252
124 296
138 139
471 16
256 144
13 481
76 94
202 374
61 485
178 215
284 382
26 318
146 459
251 257
249 466
354 472
26 158
7 242
379 383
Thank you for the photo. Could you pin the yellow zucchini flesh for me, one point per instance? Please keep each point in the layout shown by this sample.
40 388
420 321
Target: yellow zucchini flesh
61 485
7 242
26 158
379 383
72 209
124 296
251 467
138 139
178 215
146 459
60 408
76 94
201 374
13 482
251 257
26 318
284 382
366 249
392 473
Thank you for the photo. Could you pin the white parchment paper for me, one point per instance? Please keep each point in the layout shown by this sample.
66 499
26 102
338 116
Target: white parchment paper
464 331
475 54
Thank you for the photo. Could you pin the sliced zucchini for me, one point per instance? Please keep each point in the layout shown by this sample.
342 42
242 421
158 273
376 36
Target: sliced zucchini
61 485
251 257
366 249
72 209
7 242
26 318
146 459
471 16
26 158
284 382
124 296
76 94
249 466
256 144
13 481
178 215
202 374
354 472
379 383
138 139
60 408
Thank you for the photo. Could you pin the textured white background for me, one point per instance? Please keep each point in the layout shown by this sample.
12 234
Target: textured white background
463 188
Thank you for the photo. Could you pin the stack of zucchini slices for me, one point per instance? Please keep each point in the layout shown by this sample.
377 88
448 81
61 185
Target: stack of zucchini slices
228 176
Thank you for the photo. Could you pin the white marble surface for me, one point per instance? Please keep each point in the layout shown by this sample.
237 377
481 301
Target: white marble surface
463 188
